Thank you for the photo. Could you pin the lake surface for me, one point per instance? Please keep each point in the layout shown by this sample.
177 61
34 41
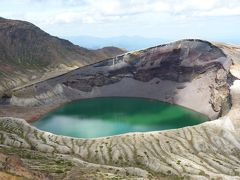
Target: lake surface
99 117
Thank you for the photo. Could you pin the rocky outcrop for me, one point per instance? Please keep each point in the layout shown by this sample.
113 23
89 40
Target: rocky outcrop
28 53
192 73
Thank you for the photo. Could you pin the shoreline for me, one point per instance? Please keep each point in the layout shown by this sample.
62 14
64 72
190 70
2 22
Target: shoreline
33 114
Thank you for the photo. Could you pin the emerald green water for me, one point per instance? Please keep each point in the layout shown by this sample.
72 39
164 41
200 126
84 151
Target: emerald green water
99 117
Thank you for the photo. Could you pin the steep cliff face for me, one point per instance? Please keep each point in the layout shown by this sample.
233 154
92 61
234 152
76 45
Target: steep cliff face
192 73
27 52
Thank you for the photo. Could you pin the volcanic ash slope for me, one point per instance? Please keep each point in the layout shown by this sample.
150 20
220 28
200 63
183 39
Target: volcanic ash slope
192 73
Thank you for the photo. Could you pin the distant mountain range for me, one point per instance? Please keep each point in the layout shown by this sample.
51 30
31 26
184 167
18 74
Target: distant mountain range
127 42
131 43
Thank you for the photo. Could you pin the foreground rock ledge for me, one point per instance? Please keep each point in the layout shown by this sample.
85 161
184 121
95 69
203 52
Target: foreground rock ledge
211 149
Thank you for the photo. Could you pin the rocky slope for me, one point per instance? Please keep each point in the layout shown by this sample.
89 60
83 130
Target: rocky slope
27 53
193 73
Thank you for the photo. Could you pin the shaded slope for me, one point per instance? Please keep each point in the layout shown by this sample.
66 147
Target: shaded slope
26 52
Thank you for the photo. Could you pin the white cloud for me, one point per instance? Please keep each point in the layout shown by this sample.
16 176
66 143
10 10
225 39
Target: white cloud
124 16
223 11
104 11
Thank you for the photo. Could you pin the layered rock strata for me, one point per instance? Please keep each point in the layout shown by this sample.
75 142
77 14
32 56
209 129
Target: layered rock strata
192 73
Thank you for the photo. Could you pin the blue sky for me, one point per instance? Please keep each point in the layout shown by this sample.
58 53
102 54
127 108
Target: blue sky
168 19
